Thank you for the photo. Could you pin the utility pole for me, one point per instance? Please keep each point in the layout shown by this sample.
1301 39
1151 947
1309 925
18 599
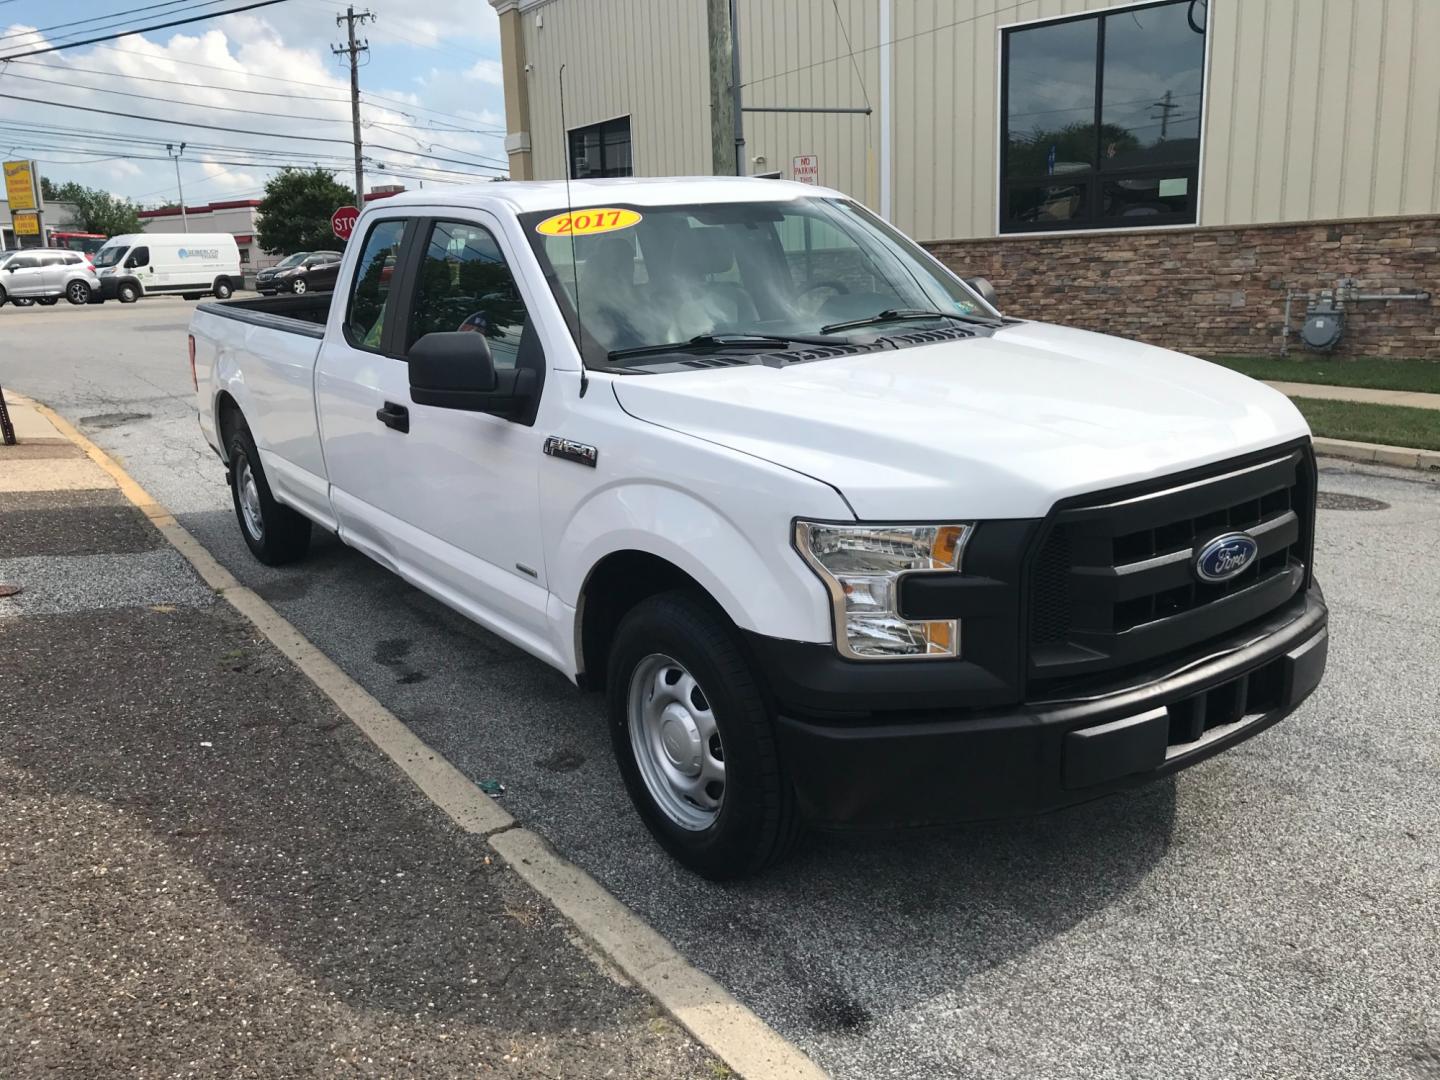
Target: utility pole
1166 105
353 50
727 136
184 217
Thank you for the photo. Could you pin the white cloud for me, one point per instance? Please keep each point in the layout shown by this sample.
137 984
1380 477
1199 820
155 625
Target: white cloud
203 75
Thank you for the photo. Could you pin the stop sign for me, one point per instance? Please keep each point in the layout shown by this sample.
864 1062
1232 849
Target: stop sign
343 220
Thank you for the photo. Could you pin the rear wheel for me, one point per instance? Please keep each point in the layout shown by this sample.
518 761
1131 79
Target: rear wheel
222 289
128 292
695 740
274 533
77 292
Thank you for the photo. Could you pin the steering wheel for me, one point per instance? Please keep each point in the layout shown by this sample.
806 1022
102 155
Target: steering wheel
815 286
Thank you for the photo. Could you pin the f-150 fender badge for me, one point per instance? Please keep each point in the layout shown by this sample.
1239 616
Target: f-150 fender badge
570 450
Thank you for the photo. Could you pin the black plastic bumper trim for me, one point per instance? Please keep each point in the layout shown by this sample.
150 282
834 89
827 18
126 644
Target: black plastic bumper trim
958 765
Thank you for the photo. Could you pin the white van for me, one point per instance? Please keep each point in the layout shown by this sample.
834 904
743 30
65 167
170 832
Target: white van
148 264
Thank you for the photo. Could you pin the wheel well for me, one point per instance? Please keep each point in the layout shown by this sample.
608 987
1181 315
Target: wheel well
617 583
228 418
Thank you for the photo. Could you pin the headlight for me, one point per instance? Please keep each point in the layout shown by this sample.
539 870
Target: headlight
862 565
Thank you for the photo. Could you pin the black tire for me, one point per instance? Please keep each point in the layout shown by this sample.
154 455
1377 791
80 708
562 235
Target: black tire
222 289
78 293
4 296
299 286
757 823
190 296
282 535
47 301
23 301
128 292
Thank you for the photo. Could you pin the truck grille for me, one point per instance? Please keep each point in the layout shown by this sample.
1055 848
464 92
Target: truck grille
1112 585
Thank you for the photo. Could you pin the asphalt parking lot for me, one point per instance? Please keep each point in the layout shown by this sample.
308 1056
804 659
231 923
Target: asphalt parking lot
1269 913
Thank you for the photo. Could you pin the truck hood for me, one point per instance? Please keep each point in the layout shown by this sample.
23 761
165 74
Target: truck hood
986 427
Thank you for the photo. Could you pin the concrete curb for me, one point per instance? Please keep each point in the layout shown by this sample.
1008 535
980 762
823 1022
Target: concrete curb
720 1023
1404 457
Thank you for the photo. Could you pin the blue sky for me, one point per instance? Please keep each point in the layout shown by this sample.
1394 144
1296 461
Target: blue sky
433 111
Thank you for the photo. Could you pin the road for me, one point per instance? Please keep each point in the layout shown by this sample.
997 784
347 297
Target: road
1269 913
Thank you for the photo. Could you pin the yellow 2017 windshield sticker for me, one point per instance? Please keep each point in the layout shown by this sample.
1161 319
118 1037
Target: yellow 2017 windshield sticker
597 219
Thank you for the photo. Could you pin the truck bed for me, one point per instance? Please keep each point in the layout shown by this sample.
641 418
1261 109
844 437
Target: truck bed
293 314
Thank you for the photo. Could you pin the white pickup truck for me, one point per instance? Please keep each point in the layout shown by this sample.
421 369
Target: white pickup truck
841 544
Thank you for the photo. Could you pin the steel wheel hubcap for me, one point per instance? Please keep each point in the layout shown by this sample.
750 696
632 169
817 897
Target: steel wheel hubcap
250 501
676 742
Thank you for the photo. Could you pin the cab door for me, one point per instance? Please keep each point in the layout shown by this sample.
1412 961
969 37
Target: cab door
448 498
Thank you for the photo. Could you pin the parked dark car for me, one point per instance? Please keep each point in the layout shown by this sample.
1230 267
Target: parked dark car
305 271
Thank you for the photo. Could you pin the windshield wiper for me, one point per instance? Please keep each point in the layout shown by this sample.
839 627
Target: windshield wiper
902 314
709 342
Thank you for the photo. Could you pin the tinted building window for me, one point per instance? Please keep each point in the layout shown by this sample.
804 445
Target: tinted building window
601 150
1101 115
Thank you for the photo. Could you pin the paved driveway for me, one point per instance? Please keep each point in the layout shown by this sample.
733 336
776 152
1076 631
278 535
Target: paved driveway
1271 912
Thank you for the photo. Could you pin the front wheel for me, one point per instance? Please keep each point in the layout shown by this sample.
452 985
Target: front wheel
274 533
77 292
300 287
695 740
222 289
128 293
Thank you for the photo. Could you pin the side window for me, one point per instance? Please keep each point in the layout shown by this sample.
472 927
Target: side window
465 285
52 260
140 256
370 294
72 260
24 262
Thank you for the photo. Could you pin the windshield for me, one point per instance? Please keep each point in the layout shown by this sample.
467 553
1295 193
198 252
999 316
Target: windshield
110 254
659 275
291 260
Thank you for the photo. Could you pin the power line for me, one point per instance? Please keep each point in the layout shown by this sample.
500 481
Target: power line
122 16
173 102
143 29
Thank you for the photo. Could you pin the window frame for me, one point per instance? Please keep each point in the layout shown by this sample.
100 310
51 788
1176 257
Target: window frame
1095 178
599 127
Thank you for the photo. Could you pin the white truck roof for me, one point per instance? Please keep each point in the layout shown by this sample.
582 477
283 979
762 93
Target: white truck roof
525 196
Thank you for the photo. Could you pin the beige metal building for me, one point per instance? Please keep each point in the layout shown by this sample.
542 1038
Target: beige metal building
1170 170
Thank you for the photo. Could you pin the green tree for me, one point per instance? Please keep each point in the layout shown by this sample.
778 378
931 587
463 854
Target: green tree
96 210
295 212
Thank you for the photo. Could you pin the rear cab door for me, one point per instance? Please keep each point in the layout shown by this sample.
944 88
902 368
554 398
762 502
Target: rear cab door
446 497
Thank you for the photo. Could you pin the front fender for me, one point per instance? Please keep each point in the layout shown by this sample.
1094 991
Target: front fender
747 565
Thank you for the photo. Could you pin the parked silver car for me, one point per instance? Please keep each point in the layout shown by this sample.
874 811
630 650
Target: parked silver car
44 275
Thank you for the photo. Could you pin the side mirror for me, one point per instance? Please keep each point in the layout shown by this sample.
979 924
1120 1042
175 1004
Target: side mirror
456 371
985 289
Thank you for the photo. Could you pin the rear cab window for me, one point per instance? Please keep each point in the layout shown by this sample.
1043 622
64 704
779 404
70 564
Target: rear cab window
371 298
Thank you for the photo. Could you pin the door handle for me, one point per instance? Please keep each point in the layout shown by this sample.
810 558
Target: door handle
394 416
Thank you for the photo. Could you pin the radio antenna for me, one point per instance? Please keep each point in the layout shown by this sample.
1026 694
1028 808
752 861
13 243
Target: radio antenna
570 214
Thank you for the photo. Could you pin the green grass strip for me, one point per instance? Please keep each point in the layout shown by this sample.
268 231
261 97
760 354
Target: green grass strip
1392 425
1370 374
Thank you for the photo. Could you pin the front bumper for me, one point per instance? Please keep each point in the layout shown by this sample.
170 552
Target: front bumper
944 766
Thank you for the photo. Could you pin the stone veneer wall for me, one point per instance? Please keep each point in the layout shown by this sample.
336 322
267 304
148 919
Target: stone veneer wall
1220 291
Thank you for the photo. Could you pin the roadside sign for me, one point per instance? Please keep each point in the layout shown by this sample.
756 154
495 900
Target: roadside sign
805 168
26 223
22 186
342 222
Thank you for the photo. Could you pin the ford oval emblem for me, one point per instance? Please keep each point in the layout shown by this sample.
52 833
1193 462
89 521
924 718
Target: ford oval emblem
1225 557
